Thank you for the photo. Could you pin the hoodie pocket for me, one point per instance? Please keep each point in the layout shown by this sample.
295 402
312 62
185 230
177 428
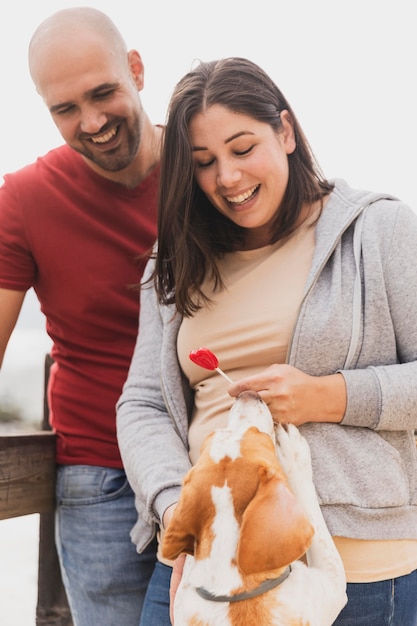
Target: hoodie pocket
358 466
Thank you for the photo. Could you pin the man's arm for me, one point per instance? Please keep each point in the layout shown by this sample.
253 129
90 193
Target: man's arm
10 305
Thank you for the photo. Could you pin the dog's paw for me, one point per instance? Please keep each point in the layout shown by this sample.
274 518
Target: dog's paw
293 452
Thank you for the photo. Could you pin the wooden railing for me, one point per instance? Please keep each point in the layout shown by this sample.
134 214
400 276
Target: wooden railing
27 485
27 474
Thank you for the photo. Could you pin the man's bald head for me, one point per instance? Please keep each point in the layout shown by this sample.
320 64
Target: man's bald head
61 35
90 83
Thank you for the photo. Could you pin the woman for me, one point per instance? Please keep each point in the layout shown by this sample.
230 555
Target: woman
306 290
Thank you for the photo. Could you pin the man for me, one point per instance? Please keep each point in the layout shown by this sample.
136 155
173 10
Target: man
76 225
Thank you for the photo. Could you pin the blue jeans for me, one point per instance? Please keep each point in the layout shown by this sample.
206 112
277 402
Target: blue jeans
104 577
386 603
155 610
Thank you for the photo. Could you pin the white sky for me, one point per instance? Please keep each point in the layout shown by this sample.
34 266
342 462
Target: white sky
346 66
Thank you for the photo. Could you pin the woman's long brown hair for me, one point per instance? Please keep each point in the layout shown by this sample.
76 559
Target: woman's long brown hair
192 234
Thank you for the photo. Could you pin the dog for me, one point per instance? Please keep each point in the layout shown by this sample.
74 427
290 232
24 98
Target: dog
258 549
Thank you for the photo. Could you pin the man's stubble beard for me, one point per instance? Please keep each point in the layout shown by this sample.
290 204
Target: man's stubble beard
116 163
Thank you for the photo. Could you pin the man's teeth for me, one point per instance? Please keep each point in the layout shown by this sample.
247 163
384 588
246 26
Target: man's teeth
243 196
106 137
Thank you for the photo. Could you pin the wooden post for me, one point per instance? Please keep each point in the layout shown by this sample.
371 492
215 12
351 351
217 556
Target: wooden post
52 607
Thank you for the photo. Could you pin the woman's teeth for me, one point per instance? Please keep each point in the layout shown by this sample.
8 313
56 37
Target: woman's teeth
243 196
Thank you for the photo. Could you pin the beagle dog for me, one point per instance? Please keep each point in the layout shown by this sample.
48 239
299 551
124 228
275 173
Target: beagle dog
260 553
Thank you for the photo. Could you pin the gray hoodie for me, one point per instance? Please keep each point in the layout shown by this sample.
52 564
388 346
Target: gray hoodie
365 468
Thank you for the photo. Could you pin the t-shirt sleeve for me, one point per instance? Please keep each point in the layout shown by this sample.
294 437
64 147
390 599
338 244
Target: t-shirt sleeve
17 266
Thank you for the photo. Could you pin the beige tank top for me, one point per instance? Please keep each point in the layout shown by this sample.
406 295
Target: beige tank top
248 325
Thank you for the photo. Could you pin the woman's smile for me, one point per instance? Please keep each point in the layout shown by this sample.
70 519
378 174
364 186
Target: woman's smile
241 164
243 197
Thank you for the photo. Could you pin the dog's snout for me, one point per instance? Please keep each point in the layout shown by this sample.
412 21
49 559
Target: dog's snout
249 395
250 410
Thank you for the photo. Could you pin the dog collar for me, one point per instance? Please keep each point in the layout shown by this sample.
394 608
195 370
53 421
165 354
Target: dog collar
267 585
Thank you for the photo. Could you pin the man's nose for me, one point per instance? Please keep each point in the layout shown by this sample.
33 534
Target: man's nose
92 120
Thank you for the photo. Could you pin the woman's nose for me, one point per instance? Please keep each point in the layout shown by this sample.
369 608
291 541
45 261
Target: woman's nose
227 175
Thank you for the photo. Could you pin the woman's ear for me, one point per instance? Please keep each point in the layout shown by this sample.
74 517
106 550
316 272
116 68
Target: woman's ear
287 132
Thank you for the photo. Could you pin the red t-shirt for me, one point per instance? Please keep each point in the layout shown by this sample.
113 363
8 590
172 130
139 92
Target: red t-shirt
75 237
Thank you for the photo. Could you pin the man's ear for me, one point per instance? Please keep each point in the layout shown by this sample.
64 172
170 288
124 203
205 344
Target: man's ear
136 68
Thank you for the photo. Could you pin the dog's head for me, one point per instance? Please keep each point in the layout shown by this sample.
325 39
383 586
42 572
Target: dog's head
273 529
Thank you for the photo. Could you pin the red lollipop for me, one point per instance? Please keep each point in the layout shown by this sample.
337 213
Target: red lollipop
205 358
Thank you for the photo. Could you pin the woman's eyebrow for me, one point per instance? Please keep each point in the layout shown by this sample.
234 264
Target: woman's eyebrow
228 140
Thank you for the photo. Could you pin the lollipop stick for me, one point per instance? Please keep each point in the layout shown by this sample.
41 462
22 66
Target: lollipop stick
223 374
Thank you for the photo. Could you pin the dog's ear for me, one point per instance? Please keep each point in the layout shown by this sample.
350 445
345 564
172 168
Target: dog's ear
179 536
192 514
275 531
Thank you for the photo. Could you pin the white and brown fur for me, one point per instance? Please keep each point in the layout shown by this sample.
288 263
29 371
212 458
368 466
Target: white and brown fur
248 509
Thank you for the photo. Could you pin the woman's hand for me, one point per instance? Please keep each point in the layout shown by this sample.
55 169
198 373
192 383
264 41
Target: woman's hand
294 397
168 515
177 567
175 581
